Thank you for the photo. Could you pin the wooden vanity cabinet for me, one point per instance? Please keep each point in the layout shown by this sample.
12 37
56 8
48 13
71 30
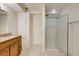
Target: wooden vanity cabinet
20 45
11 47
4 52
14 49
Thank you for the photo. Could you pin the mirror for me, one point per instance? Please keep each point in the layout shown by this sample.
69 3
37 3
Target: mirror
3 21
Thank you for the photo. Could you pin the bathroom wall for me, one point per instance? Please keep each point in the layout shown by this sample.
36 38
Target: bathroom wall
12 19
73 43
24 28
50 33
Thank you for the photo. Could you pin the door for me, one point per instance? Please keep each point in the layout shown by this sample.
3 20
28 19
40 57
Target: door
36 28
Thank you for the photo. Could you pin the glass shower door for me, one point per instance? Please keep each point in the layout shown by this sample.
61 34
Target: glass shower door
62 34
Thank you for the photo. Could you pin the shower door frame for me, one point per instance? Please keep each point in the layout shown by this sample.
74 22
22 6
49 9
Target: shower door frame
67 32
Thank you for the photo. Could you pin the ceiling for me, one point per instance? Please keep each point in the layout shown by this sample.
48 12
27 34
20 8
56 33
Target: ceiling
2 12
15 7
37 7
57 6
34 7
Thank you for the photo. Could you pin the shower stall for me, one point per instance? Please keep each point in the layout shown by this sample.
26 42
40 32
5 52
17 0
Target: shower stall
57 34
62 35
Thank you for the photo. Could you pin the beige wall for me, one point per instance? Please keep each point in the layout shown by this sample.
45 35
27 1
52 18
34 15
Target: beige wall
24 28
50 33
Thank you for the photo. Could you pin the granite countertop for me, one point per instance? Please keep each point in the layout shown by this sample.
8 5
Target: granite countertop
2 39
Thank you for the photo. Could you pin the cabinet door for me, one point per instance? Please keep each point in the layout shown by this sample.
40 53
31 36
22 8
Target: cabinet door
14 49
4 52
20 47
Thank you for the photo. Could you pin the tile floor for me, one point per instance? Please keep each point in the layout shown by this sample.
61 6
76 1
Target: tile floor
36 50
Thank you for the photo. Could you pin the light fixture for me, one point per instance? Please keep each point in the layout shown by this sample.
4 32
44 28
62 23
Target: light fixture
53 11
23 6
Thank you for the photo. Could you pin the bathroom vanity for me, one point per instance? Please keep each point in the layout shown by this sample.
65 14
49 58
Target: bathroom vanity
10 45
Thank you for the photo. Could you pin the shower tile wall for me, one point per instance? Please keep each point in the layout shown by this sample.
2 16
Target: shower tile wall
50 33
